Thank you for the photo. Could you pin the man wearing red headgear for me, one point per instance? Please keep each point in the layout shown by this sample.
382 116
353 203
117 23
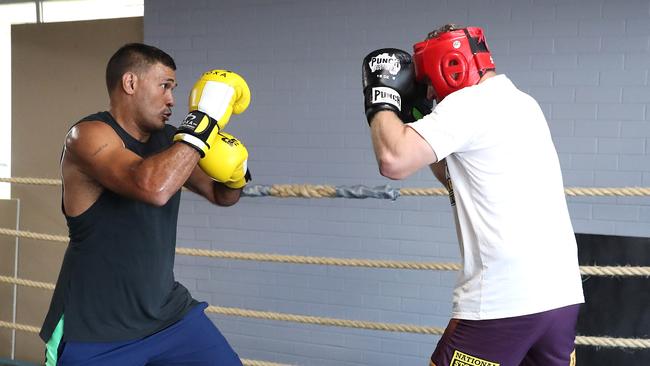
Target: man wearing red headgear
489 144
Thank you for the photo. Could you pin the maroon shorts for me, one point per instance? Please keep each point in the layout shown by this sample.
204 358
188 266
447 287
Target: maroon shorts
545 339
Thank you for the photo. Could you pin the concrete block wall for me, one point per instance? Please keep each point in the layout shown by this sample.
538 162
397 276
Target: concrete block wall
585 61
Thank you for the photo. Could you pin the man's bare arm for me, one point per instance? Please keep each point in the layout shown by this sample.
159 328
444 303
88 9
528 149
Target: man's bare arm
400 151
100 154
215 192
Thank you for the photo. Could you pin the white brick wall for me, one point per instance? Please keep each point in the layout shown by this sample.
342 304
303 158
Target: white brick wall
585 61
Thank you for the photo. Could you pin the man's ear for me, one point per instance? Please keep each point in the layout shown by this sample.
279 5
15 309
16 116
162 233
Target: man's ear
129 82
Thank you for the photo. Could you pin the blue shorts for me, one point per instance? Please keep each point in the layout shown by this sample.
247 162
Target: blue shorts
545 339
193 341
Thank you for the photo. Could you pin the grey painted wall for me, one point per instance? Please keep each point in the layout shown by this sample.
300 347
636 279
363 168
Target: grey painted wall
586 62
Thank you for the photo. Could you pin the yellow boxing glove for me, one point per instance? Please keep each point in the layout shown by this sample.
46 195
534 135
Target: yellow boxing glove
227 161
213 99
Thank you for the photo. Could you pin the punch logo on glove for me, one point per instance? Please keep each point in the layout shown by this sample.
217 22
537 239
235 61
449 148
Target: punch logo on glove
386 95
388 79
386 62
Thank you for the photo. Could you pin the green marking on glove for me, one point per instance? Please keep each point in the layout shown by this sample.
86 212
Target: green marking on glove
416 114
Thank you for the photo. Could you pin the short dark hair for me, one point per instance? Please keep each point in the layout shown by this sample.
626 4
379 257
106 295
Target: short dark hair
134 57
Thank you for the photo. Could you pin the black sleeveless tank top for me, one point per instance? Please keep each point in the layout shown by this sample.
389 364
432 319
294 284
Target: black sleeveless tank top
117 281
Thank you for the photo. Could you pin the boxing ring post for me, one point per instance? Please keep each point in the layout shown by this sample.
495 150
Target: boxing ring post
10 209
15 289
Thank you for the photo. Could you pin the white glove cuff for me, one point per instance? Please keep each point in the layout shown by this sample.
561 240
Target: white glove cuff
193 141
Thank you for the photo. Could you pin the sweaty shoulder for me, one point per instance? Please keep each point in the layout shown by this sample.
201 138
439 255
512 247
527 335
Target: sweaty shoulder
89 138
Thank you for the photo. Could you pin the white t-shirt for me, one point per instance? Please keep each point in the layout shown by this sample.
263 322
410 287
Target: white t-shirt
517 243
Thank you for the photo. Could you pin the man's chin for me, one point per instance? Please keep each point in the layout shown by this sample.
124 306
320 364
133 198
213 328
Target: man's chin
157 125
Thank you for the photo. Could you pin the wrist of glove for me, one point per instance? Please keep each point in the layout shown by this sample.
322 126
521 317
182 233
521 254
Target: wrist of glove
408 112
418 107
381 98
197 130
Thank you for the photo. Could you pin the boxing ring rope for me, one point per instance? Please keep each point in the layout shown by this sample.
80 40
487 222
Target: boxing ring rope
580 340
326 191
358 324
624 271
359 191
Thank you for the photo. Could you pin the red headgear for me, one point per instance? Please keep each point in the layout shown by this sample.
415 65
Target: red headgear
452 60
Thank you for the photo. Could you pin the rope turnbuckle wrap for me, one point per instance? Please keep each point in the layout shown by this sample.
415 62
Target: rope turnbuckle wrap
361 191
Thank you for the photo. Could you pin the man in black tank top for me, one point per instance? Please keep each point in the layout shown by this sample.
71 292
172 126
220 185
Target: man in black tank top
116 301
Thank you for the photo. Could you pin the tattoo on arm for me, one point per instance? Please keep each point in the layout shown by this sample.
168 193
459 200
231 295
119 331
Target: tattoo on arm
100 149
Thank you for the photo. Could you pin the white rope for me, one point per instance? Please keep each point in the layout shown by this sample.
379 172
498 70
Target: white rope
624 271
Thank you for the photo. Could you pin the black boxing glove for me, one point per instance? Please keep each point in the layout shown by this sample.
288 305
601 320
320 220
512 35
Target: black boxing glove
388 78
416 106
